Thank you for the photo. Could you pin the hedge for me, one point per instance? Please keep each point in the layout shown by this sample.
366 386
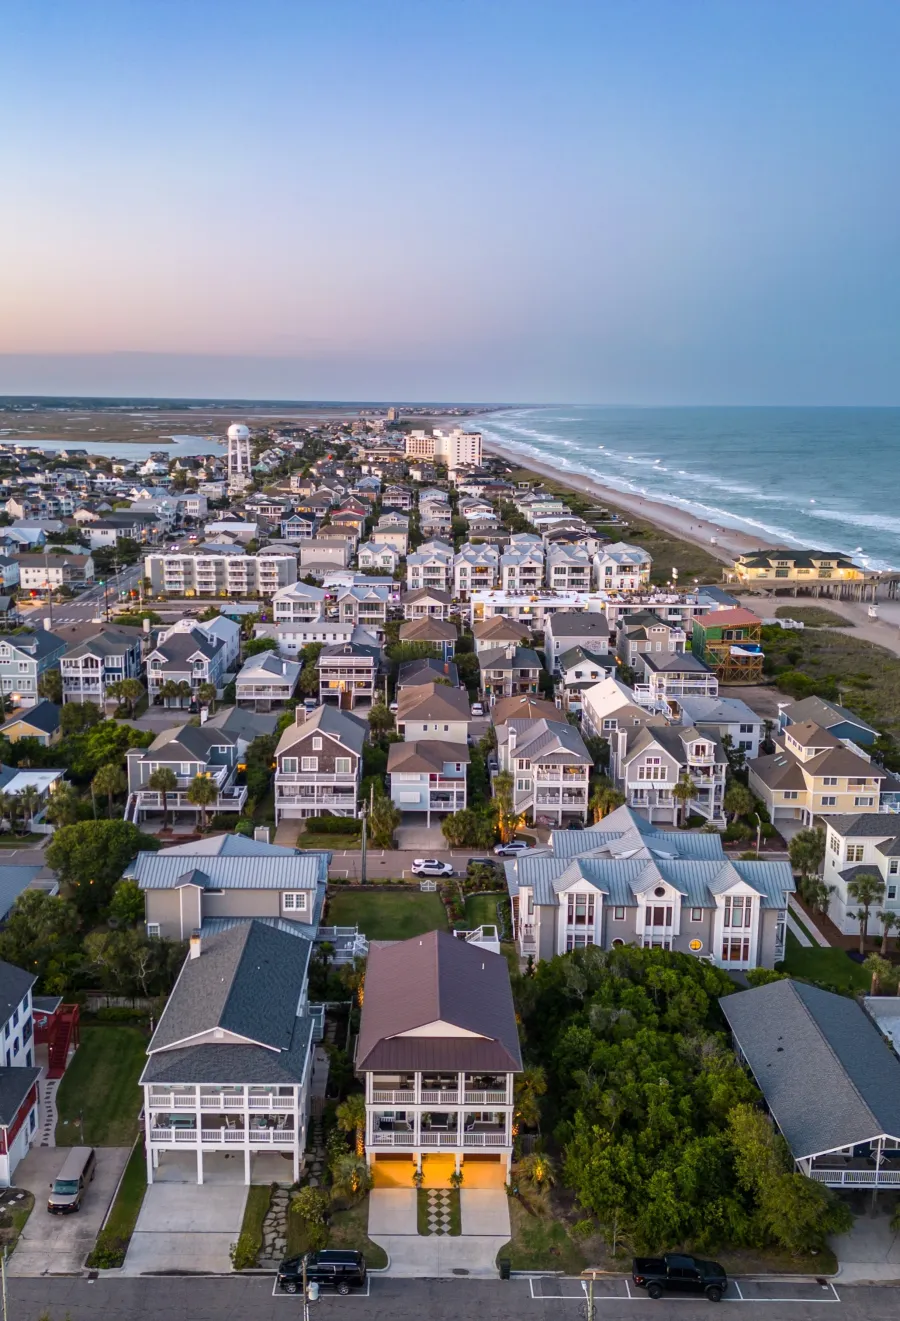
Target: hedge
334 825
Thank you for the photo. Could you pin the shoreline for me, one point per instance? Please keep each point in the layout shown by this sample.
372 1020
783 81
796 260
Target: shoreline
729 542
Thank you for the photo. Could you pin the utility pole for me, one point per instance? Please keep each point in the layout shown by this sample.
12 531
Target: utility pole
362 849
305 1293
589 1305
3 1278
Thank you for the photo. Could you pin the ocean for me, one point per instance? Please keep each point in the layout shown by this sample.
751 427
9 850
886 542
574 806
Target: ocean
823 478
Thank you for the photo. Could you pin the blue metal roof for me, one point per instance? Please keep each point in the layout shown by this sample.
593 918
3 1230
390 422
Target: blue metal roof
299 871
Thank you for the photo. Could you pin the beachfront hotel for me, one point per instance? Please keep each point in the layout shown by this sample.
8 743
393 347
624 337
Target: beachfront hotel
819 572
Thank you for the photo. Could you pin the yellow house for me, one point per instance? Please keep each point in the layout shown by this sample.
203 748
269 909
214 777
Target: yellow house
785 567
814 774
39 722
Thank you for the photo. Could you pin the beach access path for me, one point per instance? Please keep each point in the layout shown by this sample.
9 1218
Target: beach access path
883 631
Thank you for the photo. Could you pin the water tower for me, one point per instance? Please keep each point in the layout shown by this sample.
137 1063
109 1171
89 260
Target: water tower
238 450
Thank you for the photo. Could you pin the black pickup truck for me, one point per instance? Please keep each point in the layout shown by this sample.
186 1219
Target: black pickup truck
674 1273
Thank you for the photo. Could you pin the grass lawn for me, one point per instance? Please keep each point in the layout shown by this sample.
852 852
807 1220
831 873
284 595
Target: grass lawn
825 965
100 1085
814 616
259 1199
347 1228
540 1243
13 1218
112 1242
396 915
481 909
327 843
8 841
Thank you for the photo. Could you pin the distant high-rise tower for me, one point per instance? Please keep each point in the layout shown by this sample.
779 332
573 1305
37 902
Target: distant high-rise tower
239 451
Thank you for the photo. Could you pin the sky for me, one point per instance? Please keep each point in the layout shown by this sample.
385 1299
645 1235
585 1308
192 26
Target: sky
643 201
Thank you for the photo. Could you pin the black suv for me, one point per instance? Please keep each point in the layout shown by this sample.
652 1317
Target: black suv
677 1273
332 1268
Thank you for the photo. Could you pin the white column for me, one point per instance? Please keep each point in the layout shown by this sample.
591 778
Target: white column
148 1123
199 1161
247 1162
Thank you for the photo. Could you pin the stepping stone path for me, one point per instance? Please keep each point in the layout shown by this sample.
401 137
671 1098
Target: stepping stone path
274 1230
438 1210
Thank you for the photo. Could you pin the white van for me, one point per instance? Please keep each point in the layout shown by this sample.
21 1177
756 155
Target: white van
67 1189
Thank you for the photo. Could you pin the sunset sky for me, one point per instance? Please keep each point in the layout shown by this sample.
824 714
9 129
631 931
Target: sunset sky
645 201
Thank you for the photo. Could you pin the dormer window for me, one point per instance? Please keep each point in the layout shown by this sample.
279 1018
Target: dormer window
738 911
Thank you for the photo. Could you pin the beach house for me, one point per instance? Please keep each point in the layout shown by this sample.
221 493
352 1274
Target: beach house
729 642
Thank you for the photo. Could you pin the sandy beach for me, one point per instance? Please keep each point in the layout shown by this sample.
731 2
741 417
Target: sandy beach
722 542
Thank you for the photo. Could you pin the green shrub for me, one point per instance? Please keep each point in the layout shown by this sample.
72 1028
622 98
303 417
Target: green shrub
326 824
108 1252
121 1014
243 1253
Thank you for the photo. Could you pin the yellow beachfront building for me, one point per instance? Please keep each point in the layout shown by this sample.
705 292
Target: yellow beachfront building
796 566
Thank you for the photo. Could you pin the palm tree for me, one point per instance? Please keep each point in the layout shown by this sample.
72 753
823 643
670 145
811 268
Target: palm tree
131 691
888 922
351 1118
206 694
350 1177
865 889
538 1170
29 802
202 792
353 977
738 800
502 788
163 781
384 819
109 780
9 809
605 799
530 1086
62 809
684 792
882 972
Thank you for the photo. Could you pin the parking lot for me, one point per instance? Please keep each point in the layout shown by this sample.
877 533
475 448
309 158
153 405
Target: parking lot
569 1290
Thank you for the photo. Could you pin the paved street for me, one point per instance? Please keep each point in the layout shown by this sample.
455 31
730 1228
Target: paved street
381 863
86 607
202 1299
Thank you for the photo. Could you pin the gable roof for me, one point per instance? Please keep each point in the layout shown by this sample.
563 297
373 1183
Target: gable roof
185 742
432 701
425 755
44 717
829 1079
14 984
437 978
578 624
426 670
347 728
522 706
824 713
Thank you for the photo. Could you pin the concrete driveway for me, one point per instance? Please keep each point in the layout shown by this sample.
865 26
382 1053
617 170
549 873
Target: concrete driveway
396 863
485 1229
55 1244
185 1227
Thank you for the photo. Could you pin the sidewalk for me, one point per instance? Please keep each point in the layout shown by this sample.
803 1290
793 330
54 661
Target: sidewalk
794 910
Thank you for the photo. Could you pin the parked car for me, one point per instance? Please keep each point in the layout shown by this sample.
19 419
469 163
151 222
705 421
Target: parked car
332 1268
393 708
675 1273
479 862
68 1188
431 867
477 709
512 848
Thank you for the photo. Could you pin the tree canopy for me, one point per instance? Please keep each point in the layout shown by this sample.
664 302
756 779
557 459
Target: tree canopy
643 1090
91 856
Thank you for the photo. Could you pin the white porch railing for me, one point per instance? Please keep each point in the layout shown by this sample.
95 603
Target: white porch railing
177 1101
380 1139
393 1098
856 1178
440 1098
486 1098
485 1140
278 1137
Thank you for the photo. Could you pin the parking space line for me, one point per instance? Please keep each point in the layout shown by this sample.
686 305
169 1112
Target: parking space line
599 1299
738 1287
628 1286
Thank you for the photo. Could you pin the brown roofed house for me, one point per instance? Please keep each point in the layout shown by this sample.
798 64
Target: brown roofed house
438 1049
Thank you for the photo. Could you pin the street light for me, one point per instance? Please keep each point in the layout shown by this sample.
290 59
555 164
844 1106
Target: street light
758 833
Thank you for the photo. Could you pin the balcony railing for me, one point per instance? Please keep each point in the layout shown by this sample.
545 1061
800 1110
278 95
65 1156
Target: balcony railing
380 1097
273 1137
315 777
229 800
215 1101
439 1097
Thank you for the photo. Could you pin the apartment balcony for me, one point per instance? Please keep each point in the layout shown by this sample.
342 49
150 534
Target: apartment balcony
562 775
315 777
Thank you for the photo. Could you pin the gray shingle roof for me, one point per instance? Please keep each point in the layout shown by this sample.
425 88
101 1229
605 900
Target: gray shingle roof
111 642
434 978
44 716
829 1079
15 1084
877 824
234 1064
329 720
186 743
246 981
14 983
578 624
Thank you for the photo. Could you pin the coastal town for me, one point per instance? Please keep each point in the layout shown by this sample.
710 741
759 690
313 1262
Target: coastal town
364 793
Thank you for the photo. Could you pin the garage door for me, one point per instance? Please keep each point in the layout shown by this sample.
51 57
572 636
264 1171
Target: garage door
393 1172
484 1172
437 1170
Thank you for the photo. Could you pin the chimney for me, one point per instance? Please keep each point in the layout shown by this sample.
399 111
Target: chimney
510 650
195 944
511 739
146 624
299 714
46 624
261 834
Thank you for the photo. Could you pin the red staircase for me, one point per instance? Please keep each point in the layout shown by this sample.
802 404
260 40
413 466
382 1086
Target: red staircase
64 1033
